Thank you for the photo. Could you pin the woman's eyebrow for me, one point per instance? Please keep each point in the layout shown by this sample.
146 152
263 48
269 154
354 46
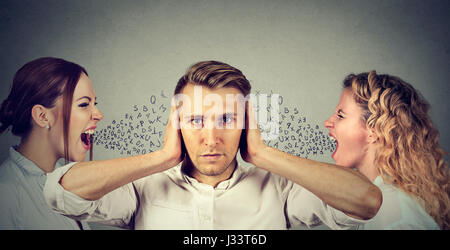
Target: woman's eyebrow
90 99
341 111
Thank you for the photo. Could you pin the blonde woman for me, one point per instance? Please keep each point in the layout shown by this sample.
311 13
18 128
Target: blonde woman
383 130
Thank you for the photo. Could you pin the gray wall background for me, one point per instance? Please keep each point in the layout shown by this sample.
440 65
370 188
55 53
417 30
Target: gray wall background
301 50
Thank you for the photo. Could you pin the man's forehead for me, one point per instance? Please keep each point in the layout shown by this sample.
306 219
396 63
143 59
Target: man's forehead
204 98
217 108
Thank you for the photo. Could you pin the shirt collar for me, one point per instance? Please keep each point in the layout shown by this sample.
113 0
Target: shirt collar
24 163
378 181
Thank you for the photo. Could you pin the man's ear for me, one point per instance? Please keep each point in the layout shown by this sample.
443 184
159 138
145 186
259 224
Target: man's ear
183 148
244 124
243 140
41 116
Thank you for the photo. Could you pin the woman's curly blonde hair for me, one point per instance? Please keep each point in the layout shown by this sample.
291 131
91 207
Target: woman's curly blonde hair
408 152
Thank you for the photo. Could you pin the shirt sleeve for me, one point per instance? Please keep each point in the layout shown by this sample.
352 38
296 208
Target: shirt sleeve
116 208
304 208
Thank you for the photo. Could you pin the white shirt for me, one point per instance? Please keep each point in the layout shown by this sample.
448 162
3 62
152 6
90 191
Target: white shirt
22 203
398 211
251 199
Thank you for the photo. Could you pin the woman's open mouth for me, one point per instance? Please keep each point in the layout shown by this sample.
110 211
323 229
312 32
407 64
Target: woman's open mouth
335 144
86 138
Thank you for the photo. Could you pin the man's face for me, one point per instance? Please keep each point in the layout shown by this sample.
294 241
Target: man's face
211 125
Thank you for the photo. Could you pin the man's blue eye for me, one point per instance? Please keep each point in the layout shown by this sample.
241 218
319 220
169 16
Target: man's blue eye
228 119
196 121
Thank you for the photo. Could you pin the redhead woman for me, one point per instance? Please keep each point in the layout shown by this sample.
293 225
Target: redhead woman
51 107
382 129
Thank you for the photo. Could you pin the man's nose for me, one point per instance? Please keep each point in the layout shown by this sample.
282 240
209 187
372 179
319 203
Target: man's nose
210 136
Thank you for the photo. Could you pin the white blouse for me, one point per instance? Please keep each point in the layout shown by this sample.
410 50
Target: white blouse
398 211
22 203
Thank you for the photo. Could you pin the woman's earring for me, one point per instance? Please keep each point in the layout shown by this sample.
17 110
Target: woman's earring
47 126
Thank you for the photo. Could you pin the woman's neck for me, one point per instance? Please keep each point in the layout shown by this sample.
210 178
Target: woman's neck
371 172
368 167
36 148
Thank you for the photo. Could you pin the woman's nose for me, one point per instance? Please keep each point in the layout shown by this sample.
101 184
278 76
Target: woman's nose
97 115
329 123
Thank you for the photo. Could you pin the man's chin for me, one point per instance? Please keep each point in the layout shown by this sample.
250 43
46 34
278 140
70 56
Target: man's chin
211 169
207 168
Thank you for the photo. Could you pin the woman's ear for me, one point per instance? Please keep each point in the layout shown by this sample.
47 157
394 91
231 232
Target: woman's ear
41 116
372 137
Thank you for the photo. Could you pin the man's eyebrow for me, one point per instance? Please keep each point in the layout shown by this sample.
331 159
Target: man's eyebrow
340 111
192 116
201 116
